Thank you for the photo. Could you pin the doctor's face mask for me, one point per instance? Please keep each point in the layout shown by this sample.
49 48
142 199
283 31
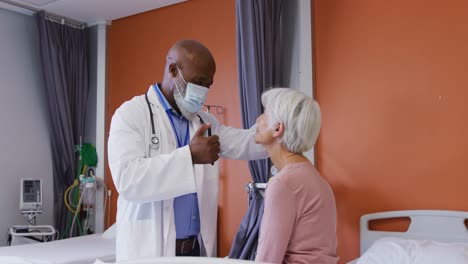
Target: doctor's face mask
192 98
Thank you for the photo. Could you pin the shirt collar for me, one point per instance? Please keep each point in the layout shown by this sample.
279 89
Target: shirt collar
167 106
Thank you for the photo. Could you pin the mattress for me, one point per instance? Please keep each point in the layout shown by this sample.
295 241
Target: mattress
78 250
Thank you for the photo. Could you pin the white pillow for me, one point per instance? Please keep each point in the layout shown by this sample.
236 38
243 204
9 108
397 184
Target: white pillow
391 250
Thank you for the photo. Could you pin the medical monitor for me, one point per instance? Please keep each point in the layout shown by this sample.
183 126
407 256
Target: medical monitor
31 195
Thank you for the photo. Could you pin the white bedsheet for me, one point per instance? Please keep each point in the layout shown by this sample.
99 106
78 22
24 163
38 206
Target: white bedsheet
78 250
390 250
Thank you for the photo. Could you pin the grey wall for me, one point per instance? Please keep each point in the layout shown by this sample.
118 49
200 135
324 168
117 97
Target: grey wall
91 107
296 55
290 45
90 122
96 109
24 139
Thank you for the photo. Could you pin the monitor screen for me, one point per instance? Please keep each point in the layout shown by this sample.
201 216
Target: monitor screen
32 191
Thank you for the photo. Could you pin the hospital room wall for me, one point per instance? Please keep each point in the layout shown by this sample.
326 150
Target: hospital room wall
137 49
24 136
392 84
95 116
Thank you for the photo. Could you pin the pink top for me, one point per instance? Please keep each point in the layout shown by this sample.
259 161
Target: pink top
299 219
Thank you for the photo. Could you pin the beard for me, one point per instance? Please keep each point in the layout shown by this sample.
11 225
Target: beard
180 103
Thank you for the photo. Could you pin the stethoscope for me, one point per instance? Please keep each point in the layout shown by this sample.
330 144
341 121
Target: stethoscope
154 139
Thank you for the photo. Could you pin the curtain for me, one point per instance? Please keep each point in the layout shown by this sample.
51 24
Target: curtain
64 64
258 48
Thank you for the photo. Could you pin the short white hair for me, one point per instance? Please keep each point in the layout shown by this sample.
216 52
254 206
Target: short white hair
300 115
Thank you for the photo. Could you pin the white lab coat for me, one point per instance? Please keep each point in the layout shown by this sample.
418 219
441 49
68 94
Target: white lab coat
149 179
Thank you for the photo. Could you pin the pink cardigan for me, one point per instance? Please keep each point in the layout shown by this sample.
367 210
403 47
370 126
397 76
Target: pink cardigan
299 220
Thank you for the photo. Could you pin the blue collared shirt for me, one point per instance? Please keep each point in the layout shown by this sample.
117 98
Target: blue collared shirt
186 211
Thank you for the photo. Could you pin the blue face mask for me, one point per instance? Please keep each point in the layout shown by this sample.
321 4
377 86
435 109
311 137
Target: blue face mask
195 95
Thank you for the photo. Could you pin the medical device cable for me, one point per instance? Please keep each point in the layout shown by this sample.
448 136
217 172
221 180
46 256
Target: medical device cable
71 196
78 219
67 196
105 200
76 196
105 196
108 210
76 213
85 226
69 204
67 227
70 193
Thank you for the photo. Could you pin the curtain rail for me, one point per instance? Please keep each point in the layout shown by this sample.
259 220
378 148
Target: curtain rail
64 21
49 16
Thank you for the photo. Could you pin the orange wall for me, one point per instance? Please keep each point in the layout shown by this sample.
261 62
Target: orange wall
392 82
137 50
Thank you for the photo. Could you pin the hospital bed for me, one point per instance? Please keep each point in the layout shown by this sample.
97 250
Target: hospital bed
432 237
77 250
187 260
98 248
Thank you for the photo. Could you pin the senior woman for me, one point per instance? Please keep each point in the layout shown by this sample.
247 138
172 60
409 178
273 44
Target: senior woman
299 219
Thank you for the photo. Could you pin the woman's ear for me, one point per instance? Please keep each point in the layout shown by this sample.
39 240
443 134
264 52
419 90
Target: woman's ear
278 130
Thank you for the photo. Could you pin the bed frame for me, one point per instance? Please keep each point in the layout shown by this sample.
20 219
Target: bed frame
437 225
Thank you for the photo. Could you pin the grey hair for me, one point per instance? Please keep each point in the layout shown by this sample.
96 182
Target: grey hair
300 115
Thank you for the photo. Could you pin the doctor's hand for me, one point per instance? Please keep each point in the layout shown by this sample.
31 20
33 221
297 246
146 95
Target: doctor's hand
204 150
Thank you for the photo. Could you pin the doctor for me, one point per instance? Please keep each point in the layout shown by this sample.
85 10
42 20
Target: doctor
163 154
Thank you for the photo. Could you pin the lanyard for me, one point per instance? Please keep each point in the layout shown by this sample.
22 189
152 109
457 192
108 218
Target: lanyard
169 115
